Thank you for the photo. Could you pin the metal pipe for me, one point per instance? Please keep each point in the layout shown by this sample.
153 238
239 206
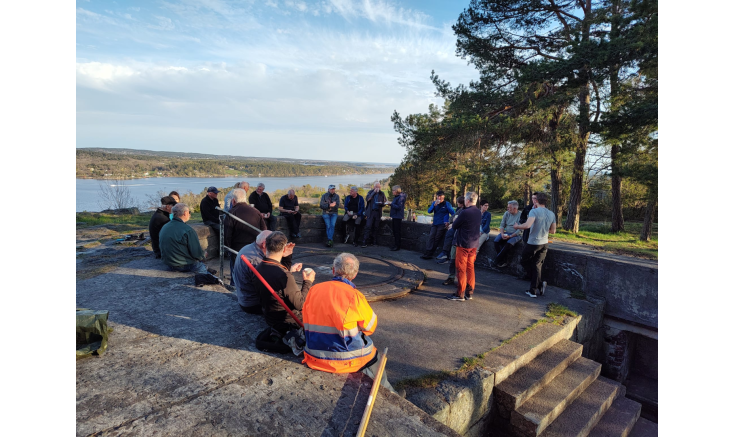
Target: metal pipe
239 219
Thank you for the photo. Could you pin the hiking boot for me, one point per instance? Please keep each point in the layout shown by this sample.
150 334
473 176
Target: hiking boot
454 297
543 289
448 281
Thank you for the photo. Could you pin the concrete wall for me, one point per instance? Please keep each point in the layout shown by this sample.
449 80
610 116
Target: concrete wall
628 286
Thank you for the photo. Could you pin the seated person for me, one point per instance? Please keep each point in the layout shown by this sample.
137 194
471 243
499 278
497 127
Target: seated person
237 234
180 249
354 217
210 216
159 218
277 273
244 279
289 208
338 322
262 202
507 236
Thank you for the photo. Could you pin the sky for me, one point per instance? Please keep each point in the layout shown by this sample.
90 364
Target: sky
270 78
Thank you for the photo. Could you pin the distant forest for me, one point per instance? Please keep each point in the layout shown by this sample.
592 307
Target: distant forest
97 164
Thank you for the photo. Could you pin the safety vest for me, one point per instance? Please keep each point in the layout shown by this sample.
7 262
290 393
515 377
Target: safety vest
337 325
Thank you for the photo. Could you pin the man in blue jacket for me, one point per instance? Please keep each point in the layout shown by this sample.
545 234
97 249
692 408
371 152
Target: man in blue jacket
442 212
375 200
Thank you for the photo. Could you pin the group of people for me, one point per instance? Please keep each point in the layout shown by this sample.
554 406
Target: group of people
462 232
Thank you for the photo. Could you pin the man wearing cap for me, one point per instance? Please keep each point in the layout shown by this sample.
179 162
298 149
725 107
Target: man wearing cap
262 202
442 212
159 218
210 216
329 204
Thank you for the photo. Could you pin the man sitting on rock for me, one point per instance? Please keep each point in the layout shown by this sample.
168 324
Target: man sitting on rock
262 202
237 234
229 203
288 206
244 279
180 249
210 216
507 236
354 217
442 212
159 218
277 273
338 322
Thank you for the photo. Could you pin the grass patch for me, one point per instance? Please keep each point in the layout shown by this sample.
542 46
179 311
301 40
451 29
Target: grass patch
555 313
599 236
89 219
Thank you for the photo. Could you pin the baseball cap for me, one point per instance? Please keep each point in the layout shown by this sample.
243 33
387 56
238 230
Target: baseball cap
212 190
331 187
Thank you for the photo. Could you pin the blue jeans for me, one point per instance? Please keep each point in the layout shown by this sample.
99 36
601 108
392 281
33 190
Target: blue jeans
196 267
330 220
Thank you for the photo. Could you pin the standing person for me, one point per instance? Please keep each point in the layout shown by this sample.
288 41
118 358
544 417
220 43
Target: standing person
288 206
524 215
277 273
175 195
228 198
447 252
466 238
397 206
329 203
238 235
210 216
541 223
180 248
442 211
354 217
507 236
159 218
262 202
485 225
375 202
338 322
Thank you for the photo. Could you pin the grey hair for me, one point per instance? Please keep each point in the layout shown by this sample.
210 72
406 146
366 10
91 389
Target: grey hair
260 239
397 188
237 185
244 183
513 202
240 195
261 185
179 209
377 183
346 265
470 198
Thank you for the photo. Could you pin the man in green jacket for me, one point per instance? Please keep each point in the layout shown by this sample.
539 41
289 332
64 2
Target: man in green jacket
180 249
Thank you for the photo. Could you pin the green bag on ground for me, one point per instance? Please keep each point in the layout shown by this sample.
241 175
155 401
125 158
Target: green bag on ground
92 332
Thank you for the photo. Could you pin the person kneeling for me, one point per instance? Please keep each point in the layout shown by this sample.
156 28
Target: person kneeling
338 322
279 277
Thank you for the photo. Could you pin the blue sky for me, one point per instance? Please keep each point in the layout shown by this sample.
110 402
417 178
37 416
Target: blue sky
281 78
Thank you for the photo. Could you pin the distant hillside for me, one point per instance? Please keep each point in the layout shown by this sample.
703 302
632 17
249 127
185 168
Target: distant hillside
100 163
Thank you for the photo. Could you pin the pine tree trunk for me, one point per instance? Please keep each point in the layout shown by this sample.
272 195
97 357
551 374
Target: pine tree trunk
617 199
647 230
454 190
556 192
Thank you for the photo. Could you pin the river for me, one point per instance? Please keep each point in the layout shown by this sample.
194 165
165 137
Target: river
88 190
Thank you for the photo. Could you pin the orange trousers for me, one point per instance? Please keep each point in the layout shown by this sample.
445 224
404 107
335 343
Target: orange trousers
465 263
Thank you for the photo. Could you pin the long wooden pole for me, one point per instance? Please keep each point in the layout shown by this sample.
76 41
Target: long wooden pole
373 393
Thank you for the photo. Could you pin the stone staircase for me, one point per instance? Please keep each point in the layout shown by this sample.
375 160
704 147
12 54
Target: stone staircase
544 387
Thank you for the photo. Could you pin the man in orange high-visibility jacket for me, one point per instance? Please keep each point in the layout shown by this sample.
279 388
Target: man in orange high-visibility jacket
337 323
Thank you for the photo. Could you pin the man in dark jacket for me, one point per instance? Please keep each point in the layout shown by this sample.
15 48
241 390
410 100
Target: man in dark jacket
158 219
466 239
277 274
396 214
288 206
524 216
329 204
442 212
238 234
375 200
210 216
354 217
180 249
262 202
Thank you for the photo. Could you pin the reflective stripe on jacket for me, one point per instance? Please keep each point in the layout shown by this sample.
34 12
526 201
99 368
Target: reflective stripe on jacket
337 323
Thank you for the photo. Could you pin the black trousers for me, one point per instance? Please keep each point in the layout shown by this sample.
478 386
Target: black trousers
397 232
353 230
373 227
436 238
271 222
532 259
293 221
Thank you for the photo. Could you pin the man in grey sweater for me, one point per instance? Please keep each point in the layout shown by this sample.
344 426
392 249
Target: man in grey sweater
541 222
508 236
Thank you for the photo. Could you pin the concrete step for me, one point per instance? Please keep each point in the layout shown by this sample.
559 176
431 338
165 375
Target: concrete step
547 404
619 420
529 379
644 428
508 358
585 412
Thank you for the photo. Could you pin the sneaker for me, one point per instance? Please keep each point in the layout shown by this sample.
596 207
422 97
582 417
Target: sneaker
331 243
448 281
468 294
528 292
347 238
500 266
423 256
443 261
442 255
454 297
364 245
543 288
393 249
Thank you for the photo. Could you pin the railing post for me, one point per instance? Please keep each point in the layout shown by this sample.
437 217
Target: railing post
222 246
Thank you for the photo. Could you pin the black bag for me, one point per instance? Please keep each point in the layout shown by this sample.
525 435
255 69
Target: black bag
201 280
270 340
